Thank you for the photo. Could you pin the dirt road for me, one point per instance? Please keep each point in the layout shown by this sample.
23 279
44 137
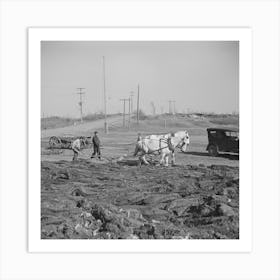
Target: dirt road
81 128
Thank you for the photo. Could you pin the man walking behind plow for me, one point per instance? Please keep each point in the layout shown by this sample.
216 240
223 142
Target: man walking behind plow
76 147
96 145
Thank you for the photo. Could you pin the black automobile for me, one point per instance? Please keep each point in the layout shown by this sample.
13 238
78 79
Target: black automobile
222 140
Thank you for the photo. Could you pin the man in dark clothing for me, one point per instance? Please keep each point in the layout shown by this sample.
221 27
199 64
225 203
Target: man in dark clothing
96 145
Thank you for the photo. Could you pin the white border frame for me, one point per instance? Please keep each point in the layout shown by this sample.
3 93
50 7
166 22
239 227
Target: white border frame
243 35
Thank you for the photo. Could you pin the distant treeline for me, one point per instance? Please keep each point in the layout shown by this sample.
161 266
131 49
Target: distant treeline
221 119
224 119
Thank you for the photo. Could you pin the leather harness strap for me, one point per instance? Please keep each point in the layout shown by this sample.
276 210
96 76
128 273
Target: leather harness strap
170 147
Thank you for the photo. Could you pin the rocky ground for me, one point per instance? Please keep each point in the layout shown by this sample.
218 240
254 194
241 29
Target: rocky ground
87 200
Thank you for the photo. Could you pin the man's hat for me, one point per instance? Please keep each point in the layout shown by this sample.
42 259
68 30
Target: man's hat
95 132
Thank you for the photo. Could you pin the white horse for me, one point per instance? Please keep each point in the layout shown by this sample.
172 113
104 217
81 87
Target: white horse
164 145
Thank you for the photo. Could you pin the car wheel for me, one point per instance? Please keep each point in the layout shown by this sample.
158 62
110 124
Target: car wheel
213 150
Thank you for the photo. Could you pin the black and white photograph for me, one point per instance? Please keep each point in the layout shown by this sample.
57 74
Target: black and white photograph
140 139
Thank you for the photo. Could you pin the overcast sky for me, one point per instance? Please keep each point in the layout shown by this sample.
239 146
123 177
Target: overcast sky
199 76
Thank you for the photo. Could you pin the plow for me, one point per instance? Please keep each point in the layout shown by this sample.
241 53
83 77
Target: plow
65 142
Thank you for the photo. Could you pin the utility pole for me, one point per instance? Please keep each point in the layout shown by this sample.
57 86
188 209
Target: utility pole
174 108
138 92
124 101
105 98
170 107
129 111
131 102
153 108
80 92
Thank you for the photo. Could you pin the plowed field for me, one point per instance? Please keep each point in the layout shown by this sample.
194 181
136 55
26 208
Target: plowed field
88 200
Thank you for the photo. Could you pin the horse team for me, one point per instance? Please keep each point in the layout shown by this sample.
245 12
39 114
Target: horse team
164 145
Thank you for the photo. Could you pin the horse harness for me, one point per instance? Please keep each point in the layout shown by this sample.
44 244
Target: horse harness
169 144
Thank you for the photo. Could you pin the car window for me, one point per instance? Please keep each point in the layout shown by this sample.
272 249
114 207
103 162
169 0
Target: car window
235 134
213 133
232 134
220 134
